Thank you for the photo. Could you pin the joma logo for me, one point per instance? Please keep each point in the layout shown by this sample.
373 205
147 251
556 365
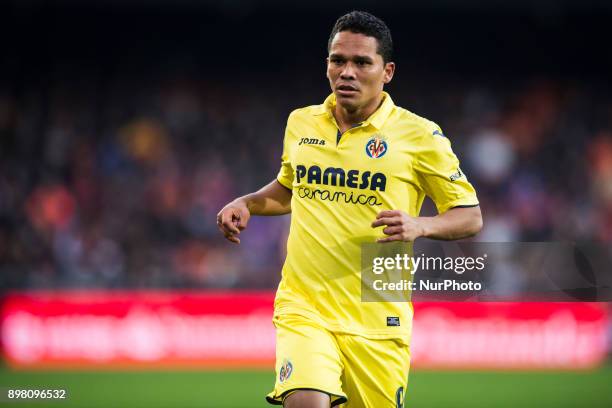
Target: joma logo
311 141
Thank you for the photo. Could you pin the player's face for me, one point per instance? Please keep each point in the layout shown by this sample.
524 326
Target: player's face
356 72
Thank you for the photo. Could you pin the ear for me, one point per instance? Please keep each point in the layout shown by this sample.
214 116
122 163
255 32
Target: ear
327 67
389 71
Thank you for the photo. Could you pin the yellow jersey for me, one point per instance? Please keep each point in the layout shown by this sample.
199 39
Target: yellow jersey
339 183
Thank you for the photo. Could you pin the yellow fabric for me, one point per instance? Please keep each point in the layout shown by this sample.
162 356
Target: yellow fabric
338 189
365 372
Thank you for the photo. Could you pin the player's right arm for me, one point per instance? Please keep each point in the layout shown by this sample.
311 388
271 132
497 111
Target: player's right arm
272 199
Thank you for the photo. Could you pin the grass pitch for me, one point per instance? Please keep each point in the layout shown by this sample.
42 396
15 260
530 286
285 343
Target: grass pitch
246 389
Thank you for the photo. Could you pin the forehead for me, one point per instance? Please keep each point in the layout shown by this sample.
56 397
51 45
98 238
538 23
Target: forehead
349 43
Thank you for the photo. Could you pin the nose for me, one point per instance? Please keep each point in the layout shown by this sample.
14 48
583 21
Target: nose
348 72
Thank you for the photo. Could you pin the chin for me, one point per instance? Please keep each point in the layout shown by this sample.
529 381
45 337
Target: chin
347 103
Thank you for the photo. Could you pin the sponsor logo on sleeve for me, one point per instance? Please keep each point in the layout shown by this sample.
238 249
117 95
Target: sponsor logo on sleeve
438 132
456 175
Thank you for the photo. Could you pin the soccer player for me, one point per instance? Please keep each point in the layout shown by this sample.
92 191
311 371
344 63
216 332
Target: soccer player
354 170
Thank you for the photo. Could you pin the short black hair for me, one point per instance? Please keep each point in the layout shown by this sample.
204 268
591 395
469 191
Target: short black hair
362 22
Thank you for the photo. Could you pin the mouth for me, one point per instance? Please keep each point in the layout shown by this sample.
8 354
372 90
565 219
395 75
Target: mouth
346 90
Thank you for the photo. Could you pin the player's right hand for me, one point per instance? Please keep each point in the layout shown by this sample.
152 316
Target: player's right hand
232 219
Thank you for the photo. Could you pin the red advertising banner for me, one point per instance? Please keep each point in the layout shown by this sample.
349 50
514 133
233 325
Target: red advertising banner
510 335
138 328
234 329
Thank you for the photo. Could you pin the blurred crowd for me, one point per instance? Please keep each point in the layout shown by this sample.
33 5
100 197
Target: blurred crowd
117 183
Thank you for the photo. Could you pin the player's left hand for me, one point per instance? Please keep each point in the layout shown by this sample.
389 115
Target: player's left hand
399 226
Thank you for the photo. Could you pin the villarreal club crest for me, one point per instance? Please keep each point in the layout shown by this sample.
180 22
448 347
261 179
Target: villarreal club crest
376 147
285 371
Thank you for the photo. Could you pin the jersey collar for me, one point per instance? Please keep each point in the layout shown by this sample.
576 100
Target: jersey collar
377 119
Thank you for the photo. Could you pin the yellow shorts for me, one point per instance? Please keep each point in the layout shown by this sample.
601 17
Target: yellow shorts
353 370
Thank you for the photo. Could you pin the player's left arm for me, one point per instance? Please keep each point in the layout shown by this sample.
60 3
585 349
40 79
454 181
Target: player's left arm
437 172
456 223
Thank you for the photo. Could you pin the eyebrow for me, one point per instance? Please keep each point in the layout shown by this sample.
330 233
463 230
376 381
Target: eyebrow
364 58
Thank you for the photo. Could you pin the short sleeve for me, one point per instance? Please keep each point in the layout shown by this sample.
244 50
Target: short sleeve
285 174
439 173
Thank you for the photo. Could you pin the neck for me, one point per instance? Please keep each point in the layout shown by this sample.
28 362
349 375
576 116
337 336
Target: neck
346 117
